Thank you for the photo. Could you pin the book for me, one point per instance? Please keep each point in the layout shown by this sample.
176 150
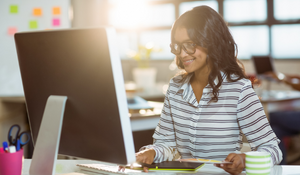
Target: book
199 160
171 166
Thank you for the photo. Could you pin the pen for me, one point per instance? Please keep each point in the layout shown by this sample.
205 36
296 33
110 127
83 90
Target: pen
18 145
5 146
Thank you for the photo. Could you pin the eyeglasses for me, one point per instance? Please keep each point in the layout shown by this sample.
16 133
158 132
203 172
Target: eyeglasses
188 47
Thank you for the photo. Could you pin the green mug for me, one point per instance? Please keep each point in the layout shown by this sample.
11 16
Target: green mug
258 163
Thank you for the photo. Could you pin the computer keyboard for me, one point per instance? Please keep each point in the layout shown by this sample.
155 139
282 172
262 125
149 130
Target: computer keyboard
95 169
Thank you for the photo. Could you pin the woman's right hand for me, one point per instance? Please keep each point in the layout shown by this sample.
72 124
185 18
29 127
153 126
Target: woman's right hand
146 156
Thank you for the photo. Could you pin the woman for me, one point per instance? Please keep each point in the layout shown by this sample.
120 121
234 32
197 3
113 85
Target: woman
207 109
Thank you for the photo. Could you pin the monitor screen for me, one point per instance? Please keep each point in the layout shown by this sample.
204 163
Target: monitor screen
84 65
262 64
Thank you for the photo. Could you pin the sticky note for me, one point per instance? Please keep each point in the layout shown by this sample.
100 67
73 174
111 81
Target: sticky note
56 10
37 12
11 30
14 9
56 22
33 24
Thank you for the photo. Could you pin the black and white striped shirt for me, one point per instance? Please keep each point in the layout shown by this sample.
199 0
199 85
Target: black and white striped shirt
212 131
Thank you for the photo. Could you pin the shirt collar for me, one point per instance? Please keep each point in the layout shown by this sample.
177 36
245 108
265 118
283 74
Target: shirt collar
184 87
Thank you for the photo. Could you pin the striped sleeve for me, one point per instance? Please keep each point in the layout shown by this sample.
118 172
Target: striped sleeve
164 142
255 125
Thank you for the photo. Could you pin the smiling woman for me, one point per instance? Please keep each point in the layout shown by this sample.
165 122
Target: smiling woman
208 108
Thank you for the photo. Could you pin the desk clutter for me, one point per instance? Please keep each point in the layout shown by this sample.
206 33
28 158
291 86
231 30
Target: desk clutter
137 103
11 154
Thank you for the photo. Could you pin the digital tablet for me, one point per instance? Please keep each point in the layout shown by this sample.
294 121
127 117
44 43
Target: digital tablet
171 166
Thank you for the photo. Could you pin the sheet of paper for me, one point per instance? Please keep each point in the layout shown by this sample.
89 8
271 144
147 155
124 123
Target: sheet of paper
204 161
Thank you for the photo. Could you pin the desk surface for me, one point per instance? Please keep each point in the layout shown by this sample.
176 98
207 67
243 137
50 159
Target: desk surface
279 96
67 167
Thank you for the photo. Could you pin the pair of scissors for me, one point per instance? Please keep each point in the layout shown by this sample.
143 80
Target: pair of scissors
17 141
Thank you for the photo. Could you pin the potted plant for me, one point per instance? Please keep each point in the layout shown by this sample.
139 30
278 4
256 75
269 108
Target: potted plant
144 75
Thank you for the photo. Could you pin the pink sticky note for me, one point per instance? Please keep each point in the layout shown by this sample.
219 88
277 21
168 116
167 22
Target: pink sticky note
12 30
56 22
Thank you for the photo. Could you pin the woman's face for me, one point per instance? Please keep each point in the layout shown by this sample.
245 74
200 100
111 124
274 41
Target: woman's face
192 62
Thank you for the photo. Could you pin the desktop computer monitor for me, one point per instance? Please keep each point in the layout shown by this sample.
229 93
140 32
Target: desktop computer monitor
263 65
84 65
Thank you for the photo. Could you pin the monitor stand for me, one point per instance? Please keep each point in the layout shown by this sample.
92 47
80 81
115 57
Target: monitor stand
47 143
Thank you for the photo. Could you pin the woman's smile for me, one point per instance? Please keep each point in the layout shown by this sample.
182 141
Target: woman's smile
187 62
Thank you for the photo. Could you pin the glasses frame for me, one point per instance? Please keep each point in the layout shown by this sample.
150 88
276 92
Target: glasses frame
181 46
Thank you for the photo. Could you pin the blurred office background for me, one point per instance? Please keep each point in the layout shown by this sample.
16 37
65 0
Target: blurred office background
259 27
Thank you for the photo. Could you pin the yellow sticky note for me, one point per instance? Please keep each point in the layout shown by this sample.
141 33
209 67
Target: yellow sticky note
33 24
56 10
37 12
14 9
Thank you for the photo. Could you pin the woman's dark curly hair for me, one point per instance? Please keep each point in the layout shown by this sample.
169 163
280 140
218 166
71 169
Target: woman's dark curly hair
207 29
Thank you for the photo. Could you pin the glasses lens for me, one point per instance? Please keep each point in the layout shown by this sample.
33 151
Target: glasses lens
189 47
175 49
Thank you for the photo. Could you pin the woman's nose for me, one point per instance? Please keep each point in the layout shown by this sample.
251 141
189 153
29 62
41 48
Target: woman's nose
183 53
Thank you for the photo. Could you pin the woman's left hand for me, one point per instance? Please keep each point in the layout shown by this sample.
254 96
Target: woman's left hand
237 166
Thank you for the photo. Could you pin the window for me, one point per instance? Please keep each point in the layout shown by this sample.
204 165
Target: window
161 41
127 43
251 40
286 41
185 6
286 9
245 10
256 30
144 16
